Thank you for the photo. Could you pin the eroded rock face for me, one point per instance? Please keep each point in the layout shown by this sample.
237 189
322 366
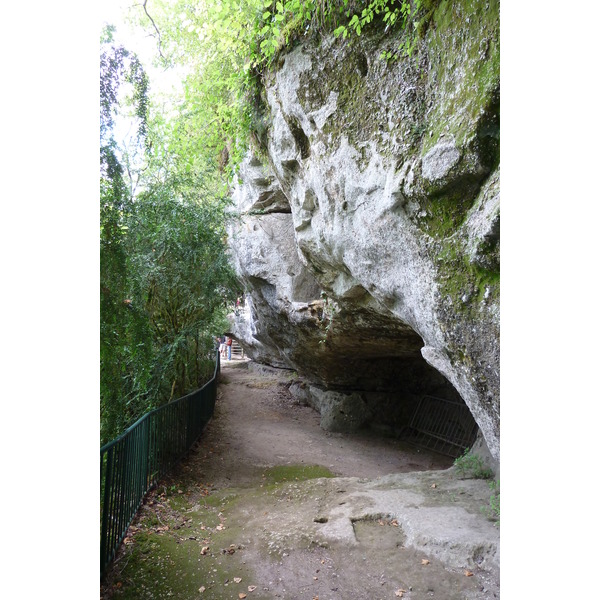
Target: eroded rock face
369 239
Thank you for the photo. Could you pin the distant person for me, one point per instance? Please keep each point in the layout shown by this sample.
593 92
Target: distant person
222 346
228 343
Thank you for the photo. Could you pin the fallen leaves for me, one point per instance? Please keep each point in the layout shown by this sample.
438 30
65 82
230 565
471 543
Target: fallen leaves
241 595
202 589
400 592
204 550
220 527
424 561
391 522
237 579
251 588
468 573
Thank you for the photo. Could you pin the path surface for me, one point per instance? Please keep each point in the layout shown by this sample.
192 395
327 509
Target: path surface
268 505
257 425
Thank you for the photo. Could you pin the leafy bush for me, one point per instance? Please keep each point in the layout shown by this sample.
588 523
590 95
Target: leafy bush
471 466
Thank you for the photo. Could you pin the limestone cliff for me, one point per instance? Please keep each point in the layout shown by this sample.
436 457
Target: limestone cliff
369 233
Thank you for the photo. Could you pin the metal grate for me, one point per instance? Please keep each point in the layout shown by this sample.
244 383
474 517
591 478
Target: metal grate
443 426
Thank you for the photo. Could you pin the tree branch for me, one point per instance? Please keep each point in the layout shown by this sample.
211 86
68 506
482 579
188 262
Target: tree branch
156 29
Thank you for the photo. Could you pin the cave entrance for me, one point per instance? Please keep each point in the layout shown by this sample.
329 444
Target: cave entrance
404 396
367 372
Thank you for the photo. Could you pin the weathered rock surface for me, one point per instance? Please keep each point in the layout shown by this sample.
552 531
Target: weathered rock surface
369 237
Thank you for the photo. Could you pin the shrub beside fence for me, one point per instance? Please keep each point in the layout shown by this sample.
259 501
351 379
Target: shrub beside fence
132 464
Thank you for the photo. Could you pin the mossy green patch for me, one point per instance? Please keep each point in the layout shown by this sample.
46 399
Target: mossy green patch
178 503
464 65
296 473
180 547
221 498
445 212
461 280
159 566
164 566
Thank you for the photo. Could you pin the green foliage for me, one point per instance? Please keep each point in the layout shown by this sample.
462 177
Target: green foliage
216 45
119 66
471 466
282 21
164 276
182 280
493 509
122 337
226 47
391 13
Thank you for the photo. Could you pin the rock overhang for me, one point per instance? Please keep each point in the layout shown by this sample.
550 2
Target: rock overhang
380 200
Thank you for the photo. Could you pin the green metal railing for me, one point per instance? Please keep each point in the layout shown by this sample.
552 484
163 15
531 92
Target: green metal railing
132 464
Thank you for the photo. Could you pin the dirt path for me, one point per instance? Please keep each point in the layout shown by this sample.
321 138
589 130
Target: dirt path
258 425
268 505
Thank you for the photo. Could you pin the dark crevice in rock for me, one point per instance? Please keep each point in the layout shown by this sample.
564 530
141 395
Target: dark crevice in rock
362 65
270 211
291 167
488 133
271 201
300 138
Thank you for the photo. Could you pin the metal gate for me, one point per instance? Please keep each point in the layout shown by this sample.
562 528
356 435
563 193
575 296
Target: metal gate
443 426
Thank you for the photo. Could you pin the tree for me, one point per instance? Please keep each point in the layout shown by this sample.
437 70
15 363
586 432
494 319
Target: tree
122 338
183 281
165 279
